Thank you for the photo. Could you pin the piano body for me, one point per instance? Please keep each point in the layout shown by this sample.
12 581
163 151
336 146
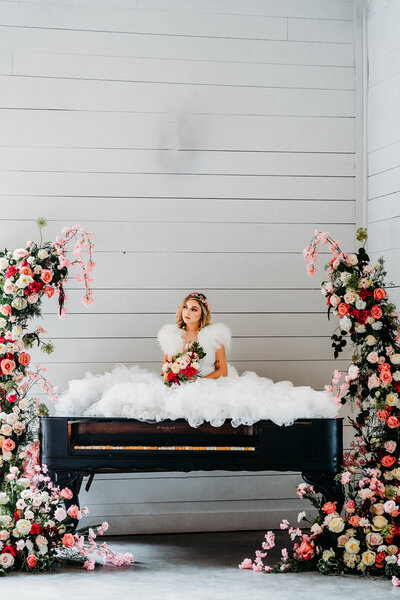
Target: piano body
75 447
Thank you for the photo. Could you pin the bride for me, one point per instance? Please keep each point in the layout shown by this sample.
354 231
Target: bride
219 393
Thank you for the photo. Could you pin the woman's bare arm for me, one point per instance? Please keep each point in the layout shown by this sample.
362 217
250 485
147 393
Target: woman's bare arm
221 368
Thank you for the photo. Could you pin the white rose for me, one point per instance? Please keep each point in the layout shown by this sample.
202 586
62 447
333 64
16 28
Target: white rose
352 546
6 560
6 429
360 304
391 560
33 298
12 418
395 359
334 300
327 554
345 324
16 331
396 375
377 325
4 535
42 254
26 494
3 263
3 323
369 320
44 496
175 368
23 281
392 400
368 558
23 526
9 288
41 541
20 504
353 371
4 499
19 253
29 545
336 525
370 340
360 328
60 514
19 303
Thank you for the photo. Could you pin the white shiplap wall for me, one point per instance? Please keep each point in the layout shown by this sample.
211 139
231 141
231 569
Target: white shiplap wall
202 142
384 136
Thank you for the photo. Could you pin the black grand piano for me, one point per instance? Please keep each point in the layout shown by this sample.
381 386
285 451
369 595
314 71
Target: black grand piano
73 448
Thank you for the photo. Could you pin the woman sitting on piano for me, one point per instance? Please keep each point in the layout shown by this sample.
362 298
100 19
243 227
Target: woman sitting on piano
193 324
219 392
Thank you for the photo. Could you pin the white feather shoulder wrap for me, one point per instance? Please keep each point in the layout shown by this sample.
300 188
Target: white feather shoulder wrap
210 338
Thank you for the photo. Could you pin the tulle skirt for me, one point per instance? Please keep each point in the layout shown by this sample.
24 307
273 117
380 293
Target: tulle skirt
137 393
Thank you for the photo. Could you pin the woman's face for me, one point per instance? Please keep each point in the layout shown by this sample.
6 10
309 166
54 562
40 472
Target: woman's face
191 313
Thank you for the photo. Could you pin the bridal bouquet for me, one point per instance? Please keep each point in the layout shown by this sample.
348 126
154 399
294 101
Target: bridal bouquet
183 366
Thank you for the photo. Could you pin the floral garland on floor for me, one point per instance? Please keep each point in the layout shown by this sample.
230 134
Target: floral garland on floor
35 528
366 537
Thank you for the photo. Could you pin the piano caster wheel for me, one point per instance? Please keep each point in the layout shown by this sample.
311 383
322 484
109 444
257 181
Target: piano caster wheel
325 484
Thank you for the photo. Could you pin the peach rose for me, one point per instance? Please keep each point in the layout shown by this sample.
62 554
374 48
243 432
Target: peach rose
31 561
392 549
5 309
379 294
49 291
7 366
26 271
66 493
388 461
354 520
8 445
342 309
376 311
342 540
386 377
329 507
46 275
73 511
24 359
68 540
392 422
374 539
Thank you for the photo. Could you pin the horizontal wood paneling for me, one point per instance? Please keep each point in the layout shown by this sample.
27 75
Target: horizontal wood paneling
383 136
202 143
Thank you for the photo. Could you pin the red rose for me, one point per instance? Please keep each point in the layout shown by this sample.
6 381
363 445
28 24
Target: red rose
384 367
35 529
388 461
31 561
380 559
17 515
189 371
10 549
392 422
397 386
379 294
306 550
376 311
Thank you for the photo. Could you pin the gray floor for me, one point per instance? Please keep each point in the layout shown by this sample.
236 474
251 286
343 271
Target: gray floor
190 566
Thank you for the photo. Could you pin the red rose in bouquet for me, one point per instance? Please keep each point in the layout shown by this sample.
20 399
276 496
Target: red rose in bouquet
183 366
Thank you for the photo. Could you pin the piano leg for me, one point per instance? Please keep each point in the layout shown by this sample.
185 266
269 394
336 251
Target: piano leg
325 484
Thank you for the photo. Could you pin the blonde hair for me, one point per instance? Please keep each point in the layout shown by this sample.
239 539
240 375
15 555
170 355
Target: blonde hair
205 318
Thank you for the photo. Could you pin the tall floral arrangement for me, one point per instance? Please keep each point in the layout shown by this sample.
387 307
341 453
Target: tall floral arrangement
35 527
365 536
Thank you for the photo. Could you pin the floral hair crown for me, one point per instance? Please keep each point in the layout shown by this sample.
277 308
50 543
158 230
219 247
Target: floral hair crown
201 298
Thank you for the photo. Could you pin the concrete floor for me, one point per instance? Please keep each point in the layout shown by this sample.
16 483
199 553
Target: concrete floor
190 566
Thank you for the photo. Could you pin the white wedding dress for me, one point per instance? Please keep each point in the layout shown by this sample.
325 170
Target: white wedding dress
135 392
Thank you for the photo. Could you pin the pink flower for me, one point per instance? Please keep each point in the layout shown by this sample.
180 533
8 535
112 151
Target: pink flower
5 310
390 446
74 512
346 476
7 366
395 581
89 564
66 493
372 357
373 381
